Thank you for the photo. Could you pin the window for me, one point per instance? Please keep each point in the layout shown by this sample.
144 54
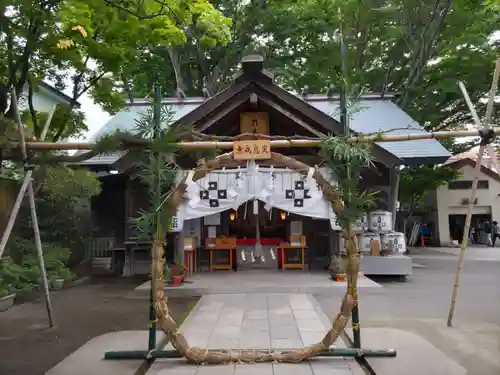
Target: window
467 184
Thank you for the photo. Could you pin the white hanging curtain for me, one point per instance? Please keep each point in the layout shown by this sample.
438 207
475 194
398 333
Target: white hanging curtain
216 192
292 192
280 188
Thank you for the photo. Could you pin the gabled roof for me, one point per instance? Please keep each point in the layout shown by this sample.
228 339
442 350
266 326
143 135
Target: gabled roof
373 114
62 97
459 163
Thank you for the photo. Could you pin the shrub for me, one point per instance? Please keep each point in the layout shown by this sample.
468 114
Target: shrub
23 273
10 274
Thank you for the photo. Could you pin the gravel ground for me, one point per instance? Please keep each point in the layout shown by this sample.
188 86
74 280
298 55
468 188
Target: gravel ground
29 347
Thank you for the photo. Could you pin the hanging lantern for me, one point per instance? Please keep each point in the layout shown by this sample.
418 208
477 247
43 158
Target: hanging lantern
283 215
232 215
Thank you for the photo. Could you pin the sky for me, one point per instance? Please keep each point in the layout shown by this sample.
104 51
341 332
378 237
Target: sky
95 117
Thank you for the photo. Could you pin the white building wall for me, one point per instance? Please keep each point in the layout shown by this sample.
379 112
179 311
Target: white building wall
449 202
43 100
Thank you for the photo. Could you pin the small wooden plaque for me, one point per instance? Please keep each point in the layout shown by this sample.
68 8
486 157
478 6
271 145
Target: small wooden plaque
375 247
210 243
252 150
254 122
225 243
189 243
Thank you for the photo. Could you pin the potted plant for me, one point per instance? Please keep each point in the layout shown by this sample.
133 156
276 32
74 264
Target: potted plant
59 277
178 273
6 298
336 268
9 275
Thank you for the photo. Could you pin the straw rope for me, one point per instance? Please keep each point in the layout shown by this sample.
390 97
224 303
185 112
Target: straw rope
207 356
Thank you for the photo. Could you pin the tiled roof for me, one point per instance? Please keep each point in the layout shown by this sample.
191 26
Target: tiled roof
371 115
472 154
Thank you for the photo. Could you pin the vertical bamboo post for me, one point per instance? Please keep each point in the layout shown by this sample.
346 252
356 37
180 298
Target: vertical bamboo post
22 192
157 240
344 120
465 237
477 170
31 197
15 210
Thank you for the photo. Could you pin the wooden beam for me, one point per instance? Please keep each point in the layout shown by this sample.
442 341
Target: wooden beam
278 143
237 102
292 117
212 104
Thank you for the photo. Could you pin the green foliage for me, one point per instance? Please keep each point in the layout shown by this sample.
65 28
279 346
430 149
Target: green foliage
417 48
107 143
346 161
21 271
95 46
10 274
63 207
416 183
155 169
66 122
73 183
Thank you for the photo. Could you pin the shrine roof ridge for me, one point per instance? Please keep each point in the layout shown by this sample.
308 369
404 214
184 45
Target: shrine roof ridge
174 100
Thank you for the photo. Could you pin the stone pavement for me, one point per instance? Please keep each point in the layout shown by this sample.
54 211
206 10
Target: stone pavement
472 253
258 281
228 321
251 321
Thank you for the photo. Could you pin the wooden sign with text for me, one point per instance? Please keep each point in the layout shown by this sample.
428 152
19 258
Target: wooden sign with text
227 243
252 150
254 122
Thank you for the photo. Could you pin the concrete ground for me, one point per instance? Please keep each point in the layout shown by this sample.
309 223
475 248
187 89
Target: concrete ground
257 281
409 317
226 321
420 306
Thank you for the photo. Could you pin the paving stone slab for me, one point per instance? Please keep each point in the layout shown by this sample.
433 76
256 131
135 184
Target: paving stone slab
258 282
89 358
205 327
416 355
281 321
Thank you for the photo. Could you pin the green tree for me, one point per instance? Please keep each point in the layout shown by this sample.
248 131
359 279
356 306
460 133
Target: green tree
417 48
63 210
93 45
417 183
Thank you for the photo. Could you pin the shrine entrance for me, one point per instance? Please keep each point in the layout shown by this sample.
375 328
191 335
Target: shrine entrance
257 214
272 228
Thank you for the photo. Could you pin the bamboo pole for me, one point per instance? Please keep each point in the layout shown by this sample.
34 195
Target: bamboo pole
465 237
31 197
14 212
344 121
157 240
477 171
22 192
279 143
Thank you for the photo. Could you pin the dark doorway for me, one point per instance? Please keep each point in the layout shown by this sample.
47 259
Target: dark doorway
457 225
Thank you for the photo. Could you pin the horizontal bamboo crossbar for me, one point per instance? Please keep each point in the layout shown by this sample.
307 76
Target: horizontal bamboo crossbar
332 352
280 143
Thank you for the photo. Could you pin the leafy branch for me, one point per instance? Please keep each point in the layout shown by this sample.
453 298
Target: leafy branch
155 169
346 162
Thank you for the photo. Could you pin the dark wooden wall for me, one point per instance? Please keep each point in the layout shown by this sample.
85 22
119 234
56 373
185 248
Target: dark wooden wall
108 208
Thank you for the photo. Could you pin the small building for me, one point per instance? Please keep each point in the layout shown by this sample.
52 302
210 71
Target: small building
44 98
453 199
276 112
